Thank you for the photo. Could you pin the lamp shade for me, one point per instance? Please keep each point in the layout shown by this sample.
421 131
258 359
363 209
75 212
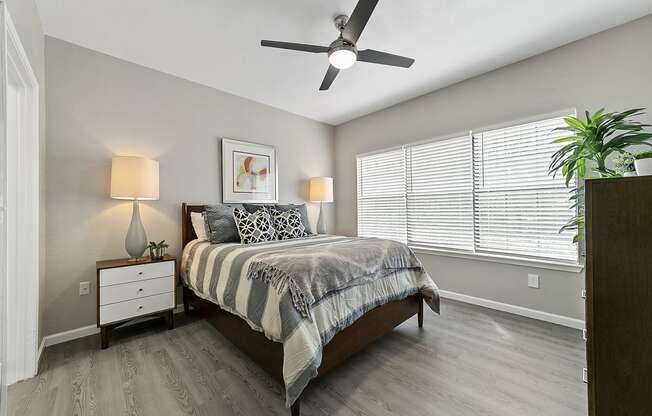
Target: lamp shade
321 189
134 178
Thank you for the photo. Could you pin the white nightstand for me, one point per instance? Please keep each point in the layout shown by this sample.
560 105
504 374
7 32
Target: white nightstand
129 290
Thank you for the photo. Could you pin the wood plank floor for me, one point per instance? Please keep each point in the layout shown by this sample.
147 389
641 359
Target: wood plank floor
468 361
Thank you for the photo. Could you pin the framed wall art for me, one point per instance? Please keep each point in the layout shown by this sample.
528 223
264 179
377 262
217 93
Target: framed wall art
248 172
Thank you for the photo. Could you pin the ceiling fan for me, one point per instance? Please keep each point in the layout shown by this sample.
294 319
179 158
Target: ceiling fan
343 53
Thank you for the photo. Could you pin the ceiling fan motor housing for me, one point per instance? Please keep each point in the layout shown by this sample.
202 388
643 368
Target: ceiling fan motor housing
340 21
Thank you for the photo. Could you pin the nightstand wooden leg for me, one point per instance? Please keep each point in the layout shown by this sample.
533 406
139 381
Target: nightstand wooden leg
105 334
170 319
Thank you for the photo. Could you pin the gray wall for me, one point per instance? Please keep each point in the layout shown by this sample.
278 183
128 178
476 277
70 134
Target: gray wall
28 25
611 69
99 106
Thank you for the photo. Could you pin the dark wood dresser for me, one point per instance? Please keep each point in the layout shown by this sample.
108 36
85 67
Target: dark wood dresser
619 296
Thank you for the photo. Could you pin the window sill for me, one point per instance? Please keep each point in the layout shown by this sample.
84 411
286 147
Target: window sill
517 261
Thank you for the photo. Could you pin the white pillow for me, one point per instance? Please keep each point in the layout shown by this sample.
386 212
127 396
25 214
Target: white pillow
199 224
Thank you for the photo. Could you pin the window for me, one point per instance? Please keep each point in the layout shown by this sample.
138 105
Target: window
381 195
518 207
484 193
440 194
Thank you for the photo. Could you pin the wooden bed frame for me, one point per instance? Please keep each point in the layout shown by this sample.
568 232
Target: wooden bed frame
269 354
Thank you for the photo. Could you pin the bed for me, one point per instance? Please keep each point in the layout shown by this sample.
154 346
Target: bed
264 319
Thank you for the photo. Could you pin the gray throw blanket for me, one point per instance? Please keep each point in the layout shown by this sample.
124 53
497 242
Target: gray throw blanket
313 272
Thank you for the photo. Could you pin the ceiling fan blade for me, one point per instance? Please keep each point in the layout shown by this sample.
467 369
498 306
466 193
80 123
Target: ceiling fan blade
329 78
383 58
358 20
294 46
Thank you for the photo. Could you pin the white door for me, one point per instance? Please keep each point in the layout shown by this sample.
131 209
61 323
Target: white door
3 270
19 210
3 246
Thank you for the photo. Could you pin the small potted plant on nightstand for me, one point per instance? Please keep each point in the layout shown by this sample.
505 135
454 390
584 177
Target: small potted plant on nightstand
643 163
157 251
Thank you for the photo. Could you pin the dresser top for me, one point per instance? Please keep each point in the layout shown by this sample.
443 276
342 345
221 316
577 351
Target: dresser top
110 264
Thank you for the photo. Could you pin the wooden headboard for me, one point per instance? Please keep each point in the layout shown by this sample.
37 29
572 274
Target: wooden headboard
187 231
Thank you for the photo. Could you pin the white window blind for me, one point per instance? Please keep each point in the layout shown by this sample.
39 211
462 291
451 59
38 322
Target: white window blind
518 207
489 193
440 194
381 195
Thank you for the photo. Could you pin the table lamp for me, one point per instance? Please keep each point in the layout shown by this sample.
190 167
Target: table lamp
321 190
134 178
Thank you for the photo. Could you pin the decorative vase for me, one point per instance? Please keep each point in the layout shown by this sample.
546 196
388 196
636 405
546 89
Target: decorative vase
643 167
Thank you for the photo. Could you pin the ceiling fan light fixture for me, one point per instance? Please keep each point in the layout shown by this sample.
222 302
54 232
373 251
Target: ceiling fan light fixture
343 53
342 56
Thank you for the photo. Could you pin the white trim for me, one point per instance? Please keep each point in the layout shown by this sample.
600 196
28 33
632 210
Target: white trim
494 258
70 335
85 331
516 310
524 120
23 216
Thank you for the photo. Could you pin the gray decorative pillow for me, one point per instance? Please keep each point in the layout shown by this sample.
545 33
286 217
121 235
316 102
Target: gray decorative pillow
251 208
220 224
288 224
254 227
302 210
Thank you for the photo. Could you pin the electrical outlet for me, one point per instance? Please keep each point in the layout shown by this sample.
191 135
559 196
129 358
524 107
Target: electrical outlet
84 288
533 281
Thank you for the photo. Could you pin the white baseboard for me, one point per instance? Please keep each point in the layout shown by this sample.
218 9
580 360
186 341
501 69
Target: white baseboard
85 331
516 310
70 335
76 333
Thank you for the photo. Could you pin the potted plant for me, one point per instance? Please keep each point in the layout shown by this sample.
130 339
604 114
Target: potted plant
625 164
643 163
157 251
590 143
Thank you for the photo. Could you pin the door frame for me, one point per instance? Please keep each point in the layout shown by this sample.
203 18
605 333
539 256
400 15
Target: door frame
21 230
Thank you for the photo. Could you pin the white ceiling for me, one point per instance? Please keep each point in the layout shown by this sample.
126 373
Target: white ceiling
217 42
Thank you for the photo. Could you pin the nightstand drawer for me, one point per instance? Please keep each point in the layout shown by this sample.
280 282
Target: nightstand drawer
136 307
136 290
136 273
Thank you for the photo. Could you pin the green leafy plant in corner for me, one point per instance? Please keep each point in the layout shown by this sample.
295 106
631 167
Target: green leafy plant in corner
590 142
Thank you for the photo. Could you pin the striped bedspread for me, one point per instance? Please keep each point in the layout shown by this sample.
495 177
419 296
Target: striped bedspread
218 272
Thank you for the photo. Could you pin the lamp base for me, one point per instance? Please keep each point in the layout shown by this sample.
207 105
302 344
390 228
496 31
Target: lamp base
136 240
136 259
321 222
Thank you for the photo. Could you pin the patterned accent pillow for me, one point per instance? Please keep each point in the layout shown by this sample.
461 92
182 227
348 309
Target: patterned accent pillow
302 210
288 224
301 207
254 228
